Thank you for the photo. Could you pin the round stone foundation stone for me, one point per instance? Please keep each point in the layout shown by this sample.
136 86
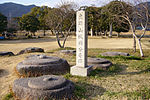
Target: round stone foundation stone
42 65
30 50
115 54
68 51
43 88
6 53
99 63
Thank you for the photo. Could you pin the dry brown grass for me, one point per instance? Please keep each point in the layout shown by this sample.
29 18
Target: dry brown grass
50 43
96 87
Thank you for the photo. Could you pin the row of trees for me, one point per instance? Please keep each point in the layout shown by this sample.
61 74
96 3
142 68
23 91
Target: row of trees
102 19
61 20
3 23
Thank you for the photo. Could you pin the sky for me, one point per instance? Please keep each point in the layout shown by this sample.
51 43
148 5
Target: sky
53 3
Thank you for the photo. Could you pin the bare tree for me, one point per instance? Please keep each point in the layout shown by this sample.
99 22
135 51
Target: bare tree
61 21
135 12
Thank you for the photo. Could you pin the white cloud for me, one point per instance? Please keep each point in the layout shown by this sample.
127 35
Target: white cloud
92 2
53 3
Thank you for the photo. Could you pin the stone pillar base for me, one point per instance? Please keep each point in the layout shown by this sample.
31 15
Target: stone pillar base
80 71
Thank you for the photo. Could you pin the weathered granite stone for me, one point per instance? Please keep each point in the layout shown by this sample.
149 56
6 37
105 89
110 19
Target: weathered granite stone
114 54
30 50
81 68
99 63
42 65
68 51
6 54
43 88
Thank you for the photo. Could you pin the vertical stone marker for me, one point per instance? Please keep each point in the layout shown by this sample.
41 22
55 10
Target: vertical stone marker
81 68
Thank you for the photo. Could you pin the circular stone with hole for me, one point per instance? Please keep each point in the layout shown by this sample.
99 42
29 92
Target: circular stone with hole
68 51
6 54
43 88
42 65
30 50
99 63
115 54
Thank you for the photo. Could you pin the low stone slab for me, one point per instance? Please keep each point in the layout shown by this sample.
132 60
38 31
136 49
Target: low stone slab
99 63
43 88
115 54
68 51
6 54
30 50
42 65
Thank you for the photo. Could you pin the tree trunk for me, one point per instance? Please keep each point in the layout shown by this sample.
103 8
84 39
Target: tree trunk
96 32
91 32
44 33
140 47
100 33
110 33
65 39
134 43
58 40
134 37
62 35
105 32
142 26
33 33
118 34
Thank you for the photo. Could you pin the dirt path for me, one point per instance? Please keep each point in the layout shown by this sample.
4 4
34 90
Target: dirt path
7 64
48 44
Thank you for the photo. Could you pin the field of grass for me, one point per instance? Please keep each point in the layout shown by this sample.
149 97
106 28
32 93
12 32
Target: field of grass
127 79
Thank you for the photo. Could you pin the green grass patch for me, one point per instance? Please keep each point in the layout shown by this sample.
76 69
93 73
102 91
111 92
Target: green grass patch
8 96
139 65
140 94
148 58
68 76
113 70
80 90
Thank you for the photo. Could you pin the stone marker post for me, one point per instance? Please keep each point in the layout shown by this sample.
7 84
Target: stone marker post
81 68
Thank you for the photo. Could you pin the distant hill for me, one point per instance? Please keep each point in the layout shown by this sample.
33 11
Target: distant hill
14 10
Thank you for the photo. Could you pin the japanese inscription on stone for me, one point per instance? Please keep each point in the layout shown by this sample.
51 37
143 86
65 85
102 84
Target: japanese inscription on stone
81 44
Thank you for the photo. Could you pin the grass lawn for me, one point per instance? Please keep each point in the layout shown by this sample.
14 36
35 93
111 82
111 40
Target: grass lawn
127 79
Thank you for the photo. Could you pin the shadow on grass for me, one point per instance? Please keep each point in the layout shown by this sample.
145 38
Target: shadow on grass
136 73
116 69
113 70
121 57
87 91
3 72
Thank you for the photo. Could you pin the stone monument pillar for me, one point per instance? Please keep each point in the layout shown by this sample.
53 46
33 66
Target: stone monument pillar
81 68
